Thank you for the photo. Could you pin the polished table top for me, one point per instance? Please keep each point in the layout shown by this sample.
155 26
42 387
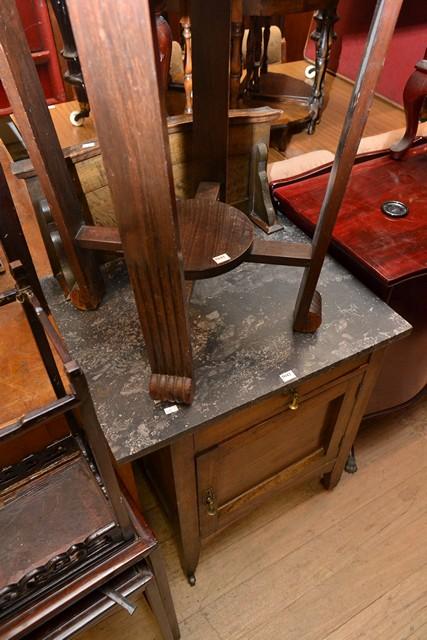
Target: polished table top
242 342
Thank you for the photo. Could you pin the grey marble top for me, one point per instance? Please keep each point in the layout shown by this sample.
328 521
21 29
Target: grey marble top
242 342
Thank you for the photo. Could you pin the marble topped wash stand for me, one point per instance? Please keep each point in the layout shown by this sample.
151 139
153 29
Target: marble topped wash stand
249 431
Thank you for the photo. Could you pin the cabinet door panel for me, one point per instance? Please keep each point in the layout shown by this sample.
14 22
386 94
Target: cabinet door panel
296 441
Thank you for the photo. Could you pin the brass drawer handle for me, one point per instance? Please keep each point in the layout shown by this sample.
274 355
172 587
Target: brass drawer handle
294 403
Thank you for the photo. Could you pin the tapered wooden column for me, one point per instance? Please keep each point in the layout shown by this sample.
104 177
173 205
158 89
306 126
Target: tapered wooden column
118 54
22 85
381 31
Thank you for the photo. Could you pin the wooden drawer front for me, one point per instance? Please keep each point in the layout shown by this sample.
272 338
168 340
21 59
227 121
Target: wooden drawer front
271 454
273 405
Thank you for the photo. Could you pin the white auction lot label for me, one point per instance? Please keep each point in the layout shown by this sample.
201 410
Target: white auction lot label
172 409
224 257
287 376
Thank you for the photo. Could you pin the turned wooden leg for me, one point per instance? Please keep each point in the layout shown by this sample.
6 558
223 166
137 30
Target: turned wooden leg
184 475
413 98
188 64
260 206
324 35
236 65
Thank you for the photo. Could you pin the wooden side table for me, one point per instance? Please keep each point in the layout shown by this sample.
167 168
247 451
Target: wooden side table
258 81
249 431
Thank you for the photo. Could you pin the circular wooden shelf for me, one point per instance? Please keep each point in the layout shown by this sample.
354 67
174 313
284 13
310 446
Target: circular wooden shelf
215 237
280 87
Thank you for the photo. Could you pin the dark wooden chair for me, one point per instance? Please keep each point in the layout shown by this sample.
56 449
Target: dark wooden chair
414 99
73 545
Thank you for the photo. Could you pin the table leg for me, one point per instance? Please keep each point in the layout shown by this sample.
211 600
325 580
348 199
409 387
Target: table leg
257 47
236 66
184 477
330 480
266 40
324 35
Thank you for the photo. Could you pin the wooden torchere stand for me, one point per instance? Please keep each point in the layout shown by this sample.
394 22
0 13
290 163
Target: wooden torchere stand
164 243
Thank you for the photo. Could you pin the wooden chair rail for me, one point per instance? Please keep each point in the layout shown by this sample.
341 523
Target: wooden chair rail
42 414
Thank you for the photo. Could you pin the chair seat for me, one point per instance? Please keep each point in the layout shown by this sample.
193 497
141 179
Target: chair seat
52 526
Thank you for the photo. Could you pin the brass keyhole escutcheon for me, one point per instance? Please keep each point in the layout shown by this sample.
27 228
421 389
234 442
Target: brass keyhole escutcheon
294 403
210 501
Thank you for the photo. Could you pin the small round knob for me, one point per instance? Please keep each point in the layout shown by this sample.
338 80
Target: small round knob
294 403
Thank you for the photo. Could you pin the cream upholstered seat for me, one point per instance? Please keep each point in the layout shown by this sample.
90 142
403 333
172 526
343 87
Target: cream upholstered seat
313 159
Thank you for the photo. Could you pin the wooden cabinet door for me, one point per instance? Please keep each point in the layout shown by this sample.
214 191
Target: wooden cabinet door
279 451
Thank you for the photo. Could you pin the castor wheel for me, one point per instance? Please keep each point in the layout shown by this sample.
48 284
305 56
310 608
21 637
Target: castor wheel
351 464
191 579
76 119
310 71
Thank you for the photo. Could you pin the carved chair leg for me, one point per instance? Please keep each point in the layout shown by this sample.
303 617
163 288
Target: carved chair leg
257 53
266 40
413 99
260 208
250 60
73 75
324 35
236 65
